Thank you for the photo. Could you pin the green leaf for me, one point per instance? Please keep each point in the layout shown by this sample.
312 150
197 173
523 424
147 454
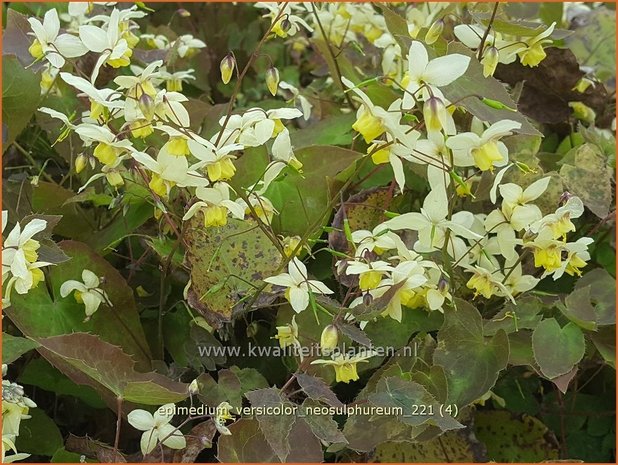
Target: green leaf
605 342
589 178
38 435
14 347
593 43
364 210
557 349
602 294
133 216
64 456
176 326
50 199
227 263
469 89
250 379
246 444
275 428
20 96
386 332
579 310
417 405
39 314
107 368
551 12
519 391
520 348
227 388
203 350
460 340
379 94
323 426
524 315
38 372
317 389
397 25
301 198
333 130
498 428
457 446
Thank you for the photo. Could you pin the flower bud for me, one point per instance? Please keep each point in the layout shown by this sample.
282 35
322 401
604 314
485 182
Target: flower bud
147 106
367 299
434 32
80 163
227 66
272 80
183 13
490 61
329 338
114 178
434 113
194 387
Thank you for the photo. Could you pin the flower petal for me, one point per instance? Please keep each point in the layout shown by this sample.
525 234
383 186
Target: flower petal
164 414
140 419
94 38
175 439
417 60
148 442
299 299
444 70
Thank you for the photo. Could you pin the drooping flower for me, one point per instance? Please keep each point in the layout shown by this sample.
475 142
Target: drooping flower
371 120
157 428
533 53
215 204
345 365
223 414
168 171
485 151
109 43
87 292
430 75
298 285
432 222
287 335
51 45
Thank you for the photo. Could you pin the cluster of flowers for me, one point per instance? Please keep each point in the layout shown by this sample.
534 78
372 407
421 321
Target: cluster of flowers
177 161
15 408
351 22
119 119
491 247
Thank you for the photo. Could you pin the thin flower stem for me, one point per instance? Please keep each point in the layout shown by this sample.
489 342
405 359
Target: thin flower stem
489 26
118 425
332 56
252 58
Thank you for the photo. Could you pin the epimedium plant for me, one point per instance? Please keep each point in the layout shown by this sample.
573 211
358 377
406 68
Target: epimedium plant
347 232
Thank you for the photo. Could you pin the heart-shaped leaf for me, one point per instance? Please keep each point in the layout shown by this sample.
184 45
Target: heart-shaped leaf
556 349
